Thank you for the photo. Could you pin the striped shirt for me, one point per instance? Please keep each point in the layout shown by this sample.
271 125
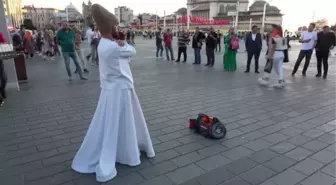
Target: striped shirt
183 40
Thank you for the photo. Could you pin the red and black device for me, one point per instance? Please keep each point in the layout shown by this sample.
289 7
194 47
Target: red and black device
208 126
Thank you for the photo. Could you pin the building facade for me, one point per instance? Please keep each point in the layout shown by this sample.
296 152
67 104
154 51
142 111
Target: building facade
124 14
13 12
227 9
87 14
71 15
40 17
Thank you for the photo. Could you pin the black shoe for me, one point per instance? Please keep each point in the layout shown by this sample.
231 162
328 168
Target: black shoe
324 76
207 65
184 61
88 58
318 75
83 78
293 74
86 71
177 61
303 73
247 71
211 65
257 72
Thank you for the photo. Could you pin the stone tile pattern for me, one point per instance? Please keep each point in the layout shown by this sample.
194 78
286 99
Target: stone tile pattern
274 137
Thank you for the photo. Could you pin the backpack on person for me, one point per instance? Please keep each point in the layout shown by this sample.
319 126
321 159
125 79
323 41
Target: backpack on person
234 43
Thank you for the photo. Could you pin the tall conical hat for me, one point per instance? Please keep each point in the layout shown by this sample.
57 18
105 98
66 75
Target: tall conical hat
105 20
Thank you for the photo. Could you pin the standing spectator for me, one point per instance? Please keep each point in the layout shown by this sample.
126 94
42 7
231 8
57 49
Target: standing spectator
326 41
78 48
66 39
211 43
229 58
182 42
197 45
158 37
308 40
28 44
253 45
88 35
3 76
94 44
168 39
218 45
48 46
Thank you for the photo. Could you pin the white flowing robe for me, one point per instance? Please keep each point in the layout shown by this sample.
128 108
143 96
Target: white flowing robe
118 131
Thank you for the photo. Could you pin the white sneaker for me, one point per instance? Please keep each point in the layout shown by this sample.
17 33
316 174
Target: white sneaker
279 85
263 81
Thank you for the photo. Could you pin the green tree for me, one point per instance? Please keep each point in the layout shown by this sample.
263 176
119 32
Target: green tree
28 24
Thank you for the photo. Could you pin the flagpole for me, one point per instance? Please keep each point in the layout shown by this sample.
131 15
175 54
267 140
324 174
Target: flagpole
164 19
156 20
237 14
67 15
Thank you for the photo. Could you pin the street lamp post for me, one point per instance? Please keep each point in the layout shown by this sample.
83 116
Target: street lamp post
188 16
264 15
237 15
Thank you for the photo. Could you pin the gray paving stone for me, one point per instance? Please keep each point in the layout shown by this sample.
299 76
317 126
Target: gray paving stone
258 145
280 163
299 140
237 153
324 156
167 145
275 138
298 154
283 147
235 181
240 166
211 150
158 169
187 148
291 131
213 162
308 166
288 177
187 159
319 178
327 138
184 174
163 156
330 169
162 180
263 156
257 175
214 177
314 145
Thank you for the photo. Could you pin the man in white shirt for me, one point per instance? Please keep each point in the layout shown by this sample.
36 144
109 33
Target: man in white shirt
308 40
88 36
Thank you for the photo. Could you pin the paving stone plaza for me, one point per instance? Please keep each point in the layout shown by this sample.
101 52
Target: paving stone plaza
275 137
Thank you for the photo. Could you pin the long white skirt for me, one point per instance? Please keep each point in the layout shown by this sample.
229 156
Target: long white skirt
117 133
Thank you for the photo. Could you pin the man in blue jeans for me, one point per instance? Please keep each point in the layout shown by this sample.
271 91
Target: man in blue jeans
66 38
159 39
197 40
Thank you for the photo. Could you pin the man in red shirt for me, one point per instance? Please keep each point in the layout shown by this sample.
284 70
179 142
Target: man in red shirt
168 39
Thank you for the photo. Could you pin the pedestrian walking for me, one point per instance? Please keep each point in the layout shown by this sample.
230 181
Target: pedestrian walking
66 39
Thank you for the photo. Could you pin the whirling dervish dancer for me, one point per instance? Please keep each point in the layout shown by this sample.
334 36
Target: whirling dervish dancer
118 131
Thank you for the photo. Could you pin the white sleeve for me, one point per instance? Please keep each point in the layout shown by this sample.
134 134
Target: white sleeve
127 51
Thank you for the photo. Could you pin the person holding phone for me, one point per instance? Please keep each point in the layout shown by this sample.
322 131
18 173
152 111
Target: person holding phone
308 40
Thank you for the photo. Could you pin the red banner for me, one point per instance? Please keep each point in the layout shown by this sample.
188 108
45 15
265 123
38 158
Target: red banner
202 20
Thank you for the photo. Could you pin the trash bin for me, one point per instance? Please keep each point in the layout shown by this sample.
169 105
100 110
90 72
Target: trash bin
20 66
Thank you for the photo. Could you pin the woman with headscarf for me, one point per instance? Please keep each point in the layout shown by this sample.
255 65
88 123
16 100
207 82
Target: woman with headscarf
3 76
277 45
47 47
28 44
118 130
229 58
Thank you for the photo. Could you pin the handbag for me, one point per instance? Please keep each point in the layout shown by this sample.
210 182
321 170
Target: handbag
268 66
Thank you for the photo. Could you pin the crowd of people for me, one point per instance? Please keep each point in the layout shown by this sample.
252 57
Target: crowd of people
277 52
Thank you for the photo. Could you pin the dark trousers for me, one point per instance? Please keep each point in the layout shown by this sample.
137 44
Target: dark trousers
218 46
250 55
303 54
322 58
180 51
3 81
159 48
210 53
197 54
